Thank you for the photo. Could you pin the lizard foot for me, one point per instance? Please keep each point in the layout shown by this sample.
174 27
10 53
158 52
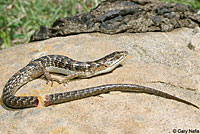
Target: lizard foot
52 80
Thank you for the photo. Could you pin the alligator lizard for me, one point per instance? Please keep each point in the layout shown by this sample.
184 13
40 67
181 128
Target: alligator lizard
72 69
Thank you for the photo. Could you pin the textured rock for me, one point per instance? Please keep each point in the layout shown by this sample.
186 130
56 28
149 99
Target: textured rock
195 42
119 16
159 60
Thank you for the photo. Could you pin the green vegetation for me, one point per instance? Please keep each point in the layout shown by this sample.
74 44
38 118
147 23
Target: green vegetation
20 18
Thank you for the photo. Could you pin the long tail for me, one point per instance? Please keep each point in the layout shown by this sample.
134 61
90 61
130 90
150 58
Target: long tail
92 91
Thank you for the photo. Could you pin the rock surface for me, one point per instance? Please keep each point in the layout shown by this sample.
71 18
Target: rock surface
195 41
159 60
119 16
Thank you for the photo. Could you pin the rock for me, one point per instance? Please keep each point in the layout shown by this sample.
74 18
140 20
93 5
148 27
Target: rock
159 60
195 43
117 16
196 30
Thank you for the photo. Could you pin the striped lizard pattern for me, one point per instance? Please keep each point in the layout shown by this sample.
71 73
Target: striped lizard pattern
72 69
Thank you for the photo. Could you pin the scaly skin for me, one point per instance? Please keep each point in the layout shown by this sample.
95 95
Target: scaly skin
59 64
87 92
72 69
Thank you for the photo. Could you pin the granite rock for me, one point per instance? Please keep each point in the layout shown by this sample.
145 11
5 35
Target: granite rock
159 60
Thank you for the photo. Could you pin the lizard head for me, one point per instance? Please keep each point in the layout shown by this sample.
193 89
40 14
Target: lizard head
110 62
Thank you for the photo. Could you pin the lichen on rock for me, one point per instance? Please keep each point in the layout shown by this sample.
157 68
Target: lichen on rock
118 16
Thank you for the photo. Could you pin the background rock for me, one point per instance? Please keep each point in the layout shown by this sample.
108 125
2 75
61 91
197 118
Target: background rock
119 16
159 60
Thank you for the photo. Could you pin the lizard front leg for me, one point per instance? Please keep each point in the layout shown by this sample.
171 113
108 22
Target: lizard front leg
49 78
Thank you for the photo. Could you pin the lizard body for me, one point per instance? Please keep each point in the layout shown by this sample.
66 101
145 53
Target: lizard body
72 69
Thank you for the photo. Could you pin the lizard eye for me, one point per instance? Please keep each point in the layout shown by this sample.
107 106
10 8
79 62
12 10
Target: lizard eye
106 65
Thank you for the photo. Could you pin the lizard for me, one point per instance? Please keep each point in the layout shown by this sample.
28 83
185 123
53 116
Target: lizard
72 69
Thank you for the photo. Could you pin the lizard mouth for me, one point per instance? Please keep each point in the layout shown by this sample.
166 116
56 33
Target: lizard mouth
112 66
